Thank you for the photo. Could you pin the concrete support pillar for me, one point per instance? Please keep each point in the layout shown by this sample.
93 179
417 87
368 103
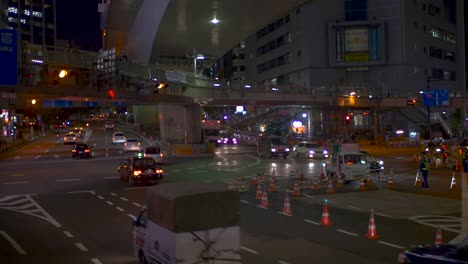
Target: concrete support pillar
180 124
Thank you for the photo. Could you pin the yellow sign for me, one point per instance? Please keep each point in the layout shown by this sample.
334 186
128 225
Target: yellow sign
351 57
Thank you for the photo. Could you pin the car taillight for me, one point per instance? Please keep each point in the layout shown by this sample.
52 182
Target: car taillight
136 173
113 138
87 150
73 150
74 138
160 171
160 155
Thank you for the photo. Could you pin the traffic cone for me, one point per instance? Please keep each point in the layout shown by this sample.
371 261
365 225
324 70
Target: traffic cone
254 181
330 187
296 192
368 180
264 204
381 177
259 193
391 184
287 206
273 178
325 215
418 182
315 183
231 186
273 187
322 175
371 229
453 183
262 178
302 175
362 185
438 239
339 184
273 173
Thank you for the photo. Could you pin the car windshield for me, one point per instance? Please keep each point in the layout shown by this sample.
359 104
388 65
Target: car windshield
119 134
81 146
132 140
152 151
277 141
354 159
312 145
144 163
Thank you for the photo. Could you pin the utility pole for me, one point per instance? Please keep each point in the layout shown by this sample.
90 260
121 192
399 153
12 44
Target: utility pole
428 111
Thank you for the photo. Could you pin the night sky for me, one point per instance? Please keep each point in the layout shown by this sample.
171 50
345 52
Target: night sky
79 21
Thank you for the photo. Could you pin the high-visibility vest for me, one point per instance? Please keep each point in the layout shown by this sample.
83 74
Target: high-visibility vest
426 165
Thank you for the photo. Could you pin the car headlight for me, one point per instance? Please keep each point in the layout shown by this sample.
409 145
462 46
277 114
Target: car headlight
311 151
273 150
287 149
381 162
294 149
325 152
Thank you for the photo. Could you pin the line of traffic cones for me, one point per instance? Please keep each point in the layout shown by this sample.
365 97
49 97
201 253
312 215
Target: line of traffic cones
362 185
325 215
371 228
287 206
439 240
264 203
418 181
453 183
296 192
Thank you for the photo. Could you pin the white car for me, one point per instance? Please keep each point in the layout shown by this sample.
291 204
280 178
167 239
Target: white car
309 149
109 125
69 138
132 144
118 138
153 152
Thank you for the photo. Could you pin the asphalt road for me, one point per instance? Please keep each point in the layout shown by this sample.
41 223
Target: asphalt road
54 209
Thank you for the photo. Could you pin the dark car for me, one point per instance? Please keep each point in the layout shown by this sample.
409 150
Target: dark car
140 170
81 150
436 254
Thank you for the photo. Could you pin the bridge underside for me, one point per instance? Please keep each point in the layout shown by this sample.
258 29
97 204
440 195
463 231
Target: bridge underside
147 29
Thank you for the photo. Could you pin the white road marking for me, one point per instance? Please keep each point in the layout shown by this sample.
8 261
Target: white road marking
346 232
249 250
175 170
13 243
113 194
109 203
282 262
90 191
46 216
354 207
68 180
281 213
307 195
96 261
68 234
81 246
244 201
132 216
124 199
390 244
120 209
38 156
23 182
47 150
259 206
311 222
100 197
111 178
56 156
135 188
136 204
384 215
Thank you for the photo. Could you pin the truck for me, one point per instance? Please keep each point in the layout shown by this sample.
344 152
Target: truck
211 131
188 222
273 147
347 162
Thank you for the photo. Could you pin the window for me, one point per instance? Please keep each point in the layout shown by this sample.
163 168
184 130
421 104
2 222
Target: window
435 52
449 55
437 73
355 10
449 75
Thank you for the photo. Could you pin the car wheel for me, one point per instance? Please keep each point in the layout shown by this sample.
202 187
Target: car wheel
141 257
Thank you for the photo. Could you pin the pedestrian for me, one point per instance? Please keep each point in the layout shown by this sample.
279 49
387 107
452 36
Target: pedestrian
465 162
424 167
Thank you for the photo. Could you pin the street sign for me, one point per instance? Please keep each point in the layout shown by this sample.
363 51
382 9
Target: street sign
436 97
8 57
56 103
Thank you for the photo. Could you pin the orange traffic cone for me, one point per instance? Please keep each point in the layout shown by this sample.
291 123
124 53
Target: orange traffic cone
259 193
371 229
262 178
418 181
287 206
330 187
453 183
273 178
339 184
322 175
325 215
316 183
296 192
254 181
362 185
368 180
264 204
438 239
391 184
273 187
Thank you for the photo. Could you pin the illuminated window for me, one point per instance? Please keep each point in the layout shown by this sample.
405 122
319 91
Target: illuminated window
36 14
23 21
13 10
27 12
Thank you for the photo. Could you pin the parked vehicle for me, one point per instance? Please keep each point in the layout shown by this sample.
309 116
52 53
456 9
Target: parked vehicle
310 149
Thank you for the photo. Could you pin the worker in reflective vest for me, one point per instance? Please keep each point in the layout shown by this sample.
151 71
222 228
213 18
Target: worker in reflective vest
465 162
424 167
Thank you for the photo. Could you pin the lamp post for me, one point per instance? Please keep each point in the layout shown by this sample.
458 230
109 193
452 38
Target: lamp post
428 111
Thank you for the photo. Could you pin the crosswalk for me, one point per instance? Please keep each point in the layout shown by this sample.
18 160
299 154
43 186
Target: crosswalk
27 205
449 223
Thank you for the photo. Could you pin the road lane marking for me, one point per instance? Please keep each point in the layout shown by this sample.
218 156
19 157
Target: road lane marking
249 250
281 213
244 201
68 234
124 199
136 204
100 197
132 216
90 191
263 207
306 195
354 207
46 216
109 203
384 215
23 182
110 178
68 180
13 243
113 194
135 188
96 261
311 222
120 209
38 156
390 244
346 232
282 262
81 246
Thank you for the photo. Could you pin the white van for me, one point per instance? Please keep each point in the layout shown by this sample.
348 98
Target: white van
348 162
